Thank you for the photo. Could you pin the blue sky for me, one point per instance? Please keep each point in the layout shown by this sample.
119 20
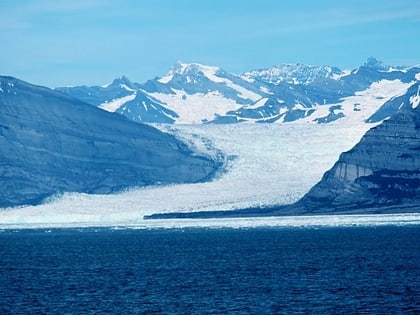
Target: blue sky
56 43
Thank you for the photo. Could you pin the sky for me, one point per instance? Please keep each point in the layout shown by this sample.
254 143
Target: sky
91 42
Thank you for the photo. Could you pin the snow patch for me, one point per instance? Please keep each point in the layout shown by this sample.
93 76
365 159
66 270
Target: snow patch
127 88
211 74
165 79
343 74
257 104
244 93
415 99
392 69
265 90
196 107
144 105
115 104
367 102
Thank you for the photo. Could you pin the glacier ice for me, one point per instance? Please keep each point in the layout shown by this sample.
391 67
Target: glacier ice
267 164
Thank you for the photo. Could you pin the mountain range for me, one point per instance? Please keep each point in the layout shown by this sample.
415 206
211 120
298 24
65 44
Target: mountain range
197 94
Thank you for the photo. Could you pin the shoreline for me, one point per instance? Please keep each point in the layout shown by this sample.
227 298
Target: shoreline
300 221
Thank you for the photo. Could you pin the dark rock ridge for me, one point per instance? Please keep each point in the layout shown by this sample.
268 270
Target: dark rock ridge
382 170
51 143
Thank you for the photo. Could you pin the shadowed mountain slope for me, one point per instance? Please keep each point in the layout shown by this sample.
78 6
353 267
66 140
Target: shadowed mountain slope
51 143
383 169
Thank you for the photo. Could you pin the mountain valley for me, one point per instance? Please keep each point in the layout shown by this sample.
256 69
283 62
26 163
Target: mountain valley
260 140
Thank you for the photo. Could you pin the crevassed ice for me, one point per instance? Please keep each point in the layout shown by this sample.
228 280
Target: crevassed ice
267 164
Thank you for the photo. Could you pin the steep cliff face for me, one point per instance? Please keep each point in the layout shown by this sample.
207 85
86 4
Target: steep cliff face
383 169
51 143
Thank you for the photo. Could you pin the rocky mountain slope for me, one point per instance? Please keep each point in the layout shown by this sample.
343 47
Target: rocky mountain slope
196 94
382 170
52 143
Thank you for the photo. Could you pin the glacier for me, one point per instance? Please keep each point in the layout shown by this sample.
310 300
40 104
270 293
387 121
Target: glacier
266 164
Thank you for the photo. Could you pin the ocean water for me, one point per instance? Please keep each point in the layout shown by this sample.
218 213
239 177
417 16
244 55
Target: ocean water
333 270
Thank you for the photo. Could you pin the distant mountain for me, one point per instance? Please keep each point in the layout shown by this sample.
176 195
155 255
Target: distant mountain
52 143
294 74
194 93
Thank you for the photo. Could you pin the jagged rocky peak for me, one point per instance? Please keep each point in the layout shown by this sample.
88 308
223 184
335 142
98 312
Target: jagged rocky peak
376 64
183 68
293 73
190 71
383 169
122 81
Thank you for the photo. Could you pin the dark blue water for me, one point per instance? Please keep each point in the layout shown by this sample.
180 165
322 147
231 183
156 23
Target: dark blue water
204 271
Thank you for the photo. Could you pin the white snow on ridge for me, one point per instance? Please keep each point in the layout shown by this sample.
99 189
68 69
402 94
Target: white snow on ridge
341 75
181 67
192 109
117 103
166 78
257 104
373 98
244 93
415 99
363 104
270 164
127 88
210 72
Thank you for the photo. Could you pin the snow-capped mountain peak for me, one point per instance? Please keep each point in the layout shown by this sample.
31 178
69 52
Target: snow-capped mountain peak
193 93
124 83
191 71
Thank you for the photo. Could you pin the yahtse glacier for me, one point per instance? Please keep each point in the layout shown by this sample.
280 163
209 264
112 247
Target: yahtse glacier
310 114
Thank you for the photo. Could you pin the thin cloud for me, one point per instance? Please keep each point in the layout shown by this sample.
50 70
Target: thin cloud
335 18
19 15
